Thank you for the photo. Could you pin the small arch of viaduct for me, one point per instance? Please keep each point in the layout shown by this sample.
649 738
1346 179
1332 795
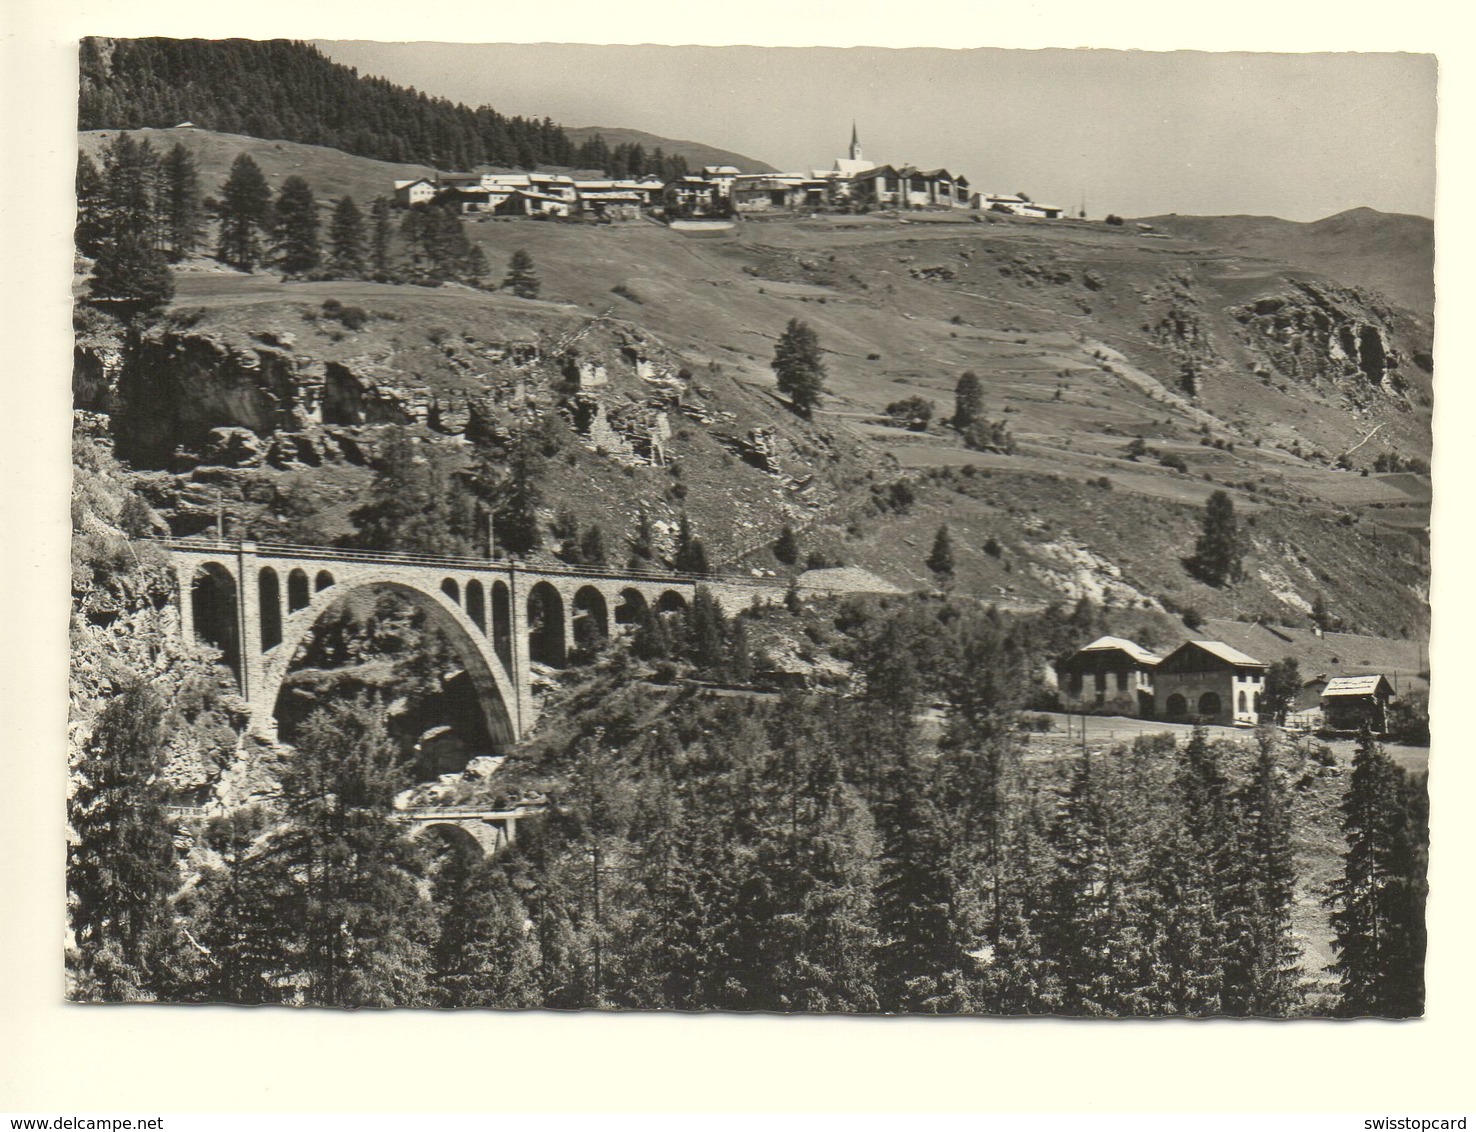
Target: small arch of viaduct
260 603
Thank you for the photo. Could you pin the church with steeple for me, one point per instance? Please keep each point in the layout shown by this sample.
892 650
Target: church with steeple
855 163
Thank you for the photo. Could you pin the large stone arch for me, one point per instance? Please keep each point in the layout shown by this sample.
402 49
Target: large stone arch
299 590
632 607
502 622
590 614
671 601
476 604
214 614
546 641
1209 705
1177 706
496 695
269 594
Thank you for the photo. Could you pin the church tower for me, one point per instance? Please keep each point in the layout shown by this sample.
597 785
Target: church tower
855 143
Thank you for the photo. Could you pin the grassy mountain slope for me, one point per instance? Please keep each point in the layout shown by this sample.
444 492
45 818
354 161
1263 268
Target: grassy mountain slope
331 172
1388 252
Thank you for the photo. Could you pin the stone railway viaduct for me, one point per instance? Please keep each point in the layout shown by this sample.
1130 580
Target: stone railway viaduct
259 602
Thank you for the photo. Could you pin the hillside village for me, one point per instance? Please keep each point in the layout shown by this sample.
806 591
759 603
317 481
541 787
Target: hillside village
851 184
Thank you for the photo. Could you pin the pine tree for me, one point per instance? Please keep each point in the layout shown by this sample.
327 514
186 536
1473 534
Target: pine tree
968 401
691 555
1321 616
1263 968
244 208
346 235
1378 903
643 543
415 503
1219 551
295 228
1021 976
1283 684
707 632
814 934
92 224
483 955
475 266
1099 921
592 546
786 546
184 218
130 174
521 279
799 367
1191 881
235 914
380 239
131 278
121 860
355 924
918 947
506 480
940 558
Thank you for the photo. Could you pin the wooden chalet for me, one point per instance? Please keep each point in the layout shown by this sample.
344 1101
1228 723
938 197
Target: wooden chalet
1351 703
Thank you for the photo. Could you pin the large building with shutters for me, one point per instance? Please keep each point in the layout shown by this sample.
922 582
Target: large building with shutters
1209 682
1111 675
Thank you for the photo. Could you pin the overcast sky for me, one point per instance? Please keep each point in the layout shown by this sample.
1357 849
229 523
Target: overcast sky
1297 136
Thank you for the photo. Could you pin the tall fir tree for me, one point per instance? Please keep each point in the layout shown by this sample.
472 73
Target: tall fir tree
121 869
295 248
483 954
235 914
1219 551
940 558
245 208
1263 961
381 236
130 173
918 950
130 277
356 927
416 502
691 554
183 212
522 280
92 223
968 401
505 478
346 241
799 367
1378 903
818 853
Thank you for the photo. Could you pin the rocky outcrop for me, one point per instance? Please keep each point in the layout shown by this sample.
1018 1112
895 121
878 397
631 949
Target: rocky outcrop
1321 333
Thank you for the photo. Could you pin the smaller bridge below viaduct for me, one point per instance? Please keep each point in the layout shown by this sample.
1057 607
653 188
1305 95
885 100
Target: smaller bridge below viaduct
259 602
490 829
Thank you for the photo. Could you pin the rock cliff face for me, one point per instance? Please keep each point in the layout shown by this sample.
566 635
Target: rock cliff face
124 630
183 395
1323 334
